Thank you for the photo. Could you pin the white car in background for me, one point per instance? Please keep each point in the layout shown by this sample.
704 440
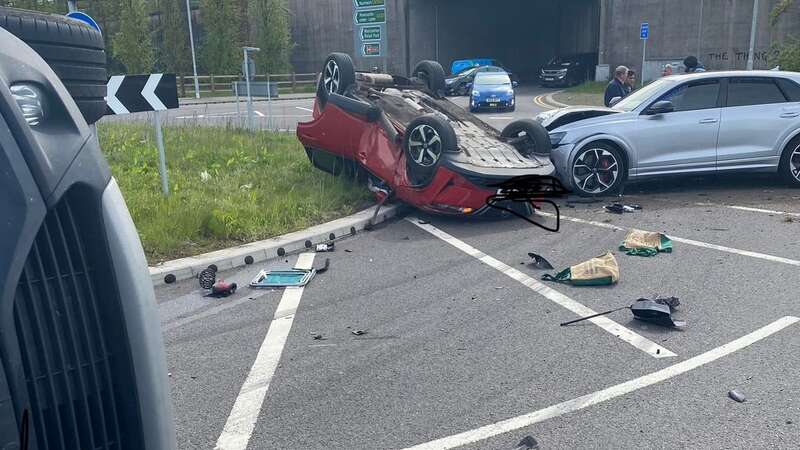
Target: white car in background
696 123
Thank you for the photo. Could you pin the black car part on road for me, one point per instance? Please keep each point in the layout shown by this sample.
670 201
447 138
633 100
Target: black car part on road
74 50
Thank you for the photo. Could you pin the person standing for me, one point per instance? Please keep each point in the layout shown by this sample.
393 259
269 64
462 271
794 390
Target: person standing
630 82
616 88
693 65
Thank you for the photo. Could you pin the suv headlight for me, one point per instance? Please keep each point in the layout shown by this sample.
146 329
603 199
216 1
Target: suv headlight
556 138
510 91
31 102
476 93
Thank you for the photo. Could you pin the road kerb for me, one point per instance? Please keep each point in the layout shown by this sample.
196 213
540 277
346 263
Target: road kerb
260 251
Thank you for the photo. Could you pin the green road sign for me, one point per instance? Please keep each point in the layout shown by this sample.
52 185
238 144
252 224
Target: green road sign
370 16
371 49
371 33
368 3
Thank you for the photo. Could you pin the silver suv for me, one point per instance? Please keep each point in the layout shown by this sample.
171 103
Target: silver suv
696 123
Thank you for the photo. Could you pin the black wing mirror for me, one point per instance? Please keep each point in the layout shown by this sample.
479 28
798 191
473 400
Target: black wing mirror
514 84
661 107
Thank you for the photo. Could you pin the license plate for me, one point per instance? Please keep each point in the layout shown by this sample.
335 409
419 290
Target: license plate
549 79
492 104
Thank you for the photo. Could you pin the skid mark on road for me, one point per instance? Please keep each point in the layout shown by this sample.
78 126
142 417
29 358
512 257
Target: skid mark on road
576 404
722 248
617 330
242 419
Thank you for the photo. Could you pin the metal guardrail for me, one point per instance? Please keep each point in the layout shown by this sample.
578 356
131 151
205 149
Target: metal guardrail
287 82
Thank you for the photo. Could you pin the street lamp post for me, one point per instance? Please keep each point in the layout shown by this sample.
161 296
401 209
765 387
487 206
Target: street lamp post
752 36
191 43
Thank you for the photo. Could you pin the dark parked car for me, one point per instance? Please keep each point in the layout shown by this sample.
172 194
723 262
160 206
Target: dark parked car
567 71
405 140
82 362
461 84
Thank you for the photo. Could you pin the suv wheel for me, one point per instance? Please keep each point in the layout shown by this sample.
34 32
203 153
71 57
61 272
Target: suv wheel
598 169
790 163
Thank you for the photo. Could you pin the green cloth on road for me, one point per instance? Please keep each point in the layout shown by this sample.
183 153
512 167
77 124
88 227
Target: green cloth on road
645 243
600 271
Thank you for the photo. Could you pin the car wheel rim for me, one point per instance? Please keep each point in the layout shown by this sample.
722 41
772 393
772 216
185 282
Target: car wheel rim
794 163
595 171
424 145
331 78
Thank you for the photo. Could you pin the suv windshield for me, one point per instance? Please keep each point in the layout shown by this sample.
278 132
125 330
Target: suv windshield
492 80
636 98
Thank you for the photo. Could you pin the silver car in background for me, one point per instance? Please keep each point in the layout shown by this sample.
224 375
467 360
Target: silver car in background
696 123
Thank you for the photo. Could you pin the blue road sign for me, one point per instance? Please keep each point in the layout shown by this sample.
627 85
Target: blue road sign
83 17
645 30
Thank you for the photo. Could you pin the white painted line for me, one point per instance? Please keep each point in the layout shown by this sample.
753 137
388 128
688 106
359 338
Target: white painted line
242 419
749 209
304 109
722 248
501 118
617 330
576 404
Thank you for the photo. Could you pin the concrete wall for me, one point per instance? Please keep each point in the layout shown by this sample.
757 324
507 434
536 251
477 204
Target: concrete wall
719 36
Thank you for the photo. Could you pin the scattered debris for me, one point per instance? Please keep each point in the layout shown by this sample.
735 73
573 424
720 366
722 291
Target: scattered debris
423 222
788 220
282 278
599 271
222 289
325 247
359 332
347 250
527 443
207 277
318 337
645 243
736 396
657 311
406 238
539 262
620 208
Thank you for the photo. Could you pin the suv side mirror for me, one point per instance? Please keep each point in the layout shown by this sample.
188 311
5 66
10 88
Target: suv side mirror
514 84
660 107
614 101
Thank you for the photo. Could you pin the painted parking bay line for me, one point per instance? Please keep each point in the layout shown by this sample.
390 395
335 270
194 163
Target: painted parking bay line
576 404
722 248
242 419
749 209
617 330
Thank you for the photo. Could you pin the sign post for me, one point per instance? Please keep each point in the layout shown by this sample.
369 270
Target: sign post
644 33
139 93
247 70
369 19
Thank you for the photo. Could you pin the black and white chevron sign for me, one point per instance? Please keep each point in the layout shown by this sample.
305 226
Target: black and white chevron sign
138 93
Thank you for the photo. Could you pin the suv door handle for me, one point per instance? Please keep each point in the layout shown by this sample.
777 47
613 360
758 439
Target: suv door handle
790 115
709 120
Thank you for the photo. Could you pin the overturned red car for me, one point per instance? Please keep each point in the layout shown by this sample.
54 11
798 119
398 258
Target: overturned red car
405 140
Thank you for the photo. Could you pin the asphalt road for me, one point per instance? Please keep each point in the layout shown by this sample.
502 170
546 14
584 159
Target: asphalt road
463 345
284 114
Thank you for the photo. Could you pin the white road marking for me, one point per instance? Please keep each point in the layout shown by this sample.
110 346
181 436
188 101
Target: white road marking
304 109
501 118
747 208
615 329
722 248
576 404
259 113
242 419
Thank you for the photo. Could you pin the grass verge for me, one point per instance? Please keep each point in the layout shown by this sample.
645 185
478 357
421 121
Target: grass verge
228 187
589 94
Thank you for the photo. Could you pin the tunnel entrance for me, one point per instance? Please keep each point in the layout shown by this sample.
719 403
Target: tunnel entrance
523 34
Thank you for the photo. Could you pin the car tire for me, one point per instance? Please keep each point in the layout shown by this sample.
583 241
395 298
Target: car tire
536 142
597 170
74 50
512 108
789 166
432 73
338 75
427 138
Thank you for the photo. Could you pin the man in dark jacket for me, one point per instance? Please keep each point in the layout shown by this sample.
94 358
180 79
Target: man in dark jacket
616 88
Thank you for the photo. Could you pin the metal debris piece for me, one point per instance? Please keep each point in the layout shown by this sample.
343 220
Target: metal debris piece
527 443
359 332
540 262
325 247
736 396
657 311
318 337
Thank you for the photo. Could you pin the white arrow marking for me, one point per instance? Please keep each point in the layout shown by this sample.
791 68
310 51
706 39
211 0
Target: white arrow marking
149 92
111 95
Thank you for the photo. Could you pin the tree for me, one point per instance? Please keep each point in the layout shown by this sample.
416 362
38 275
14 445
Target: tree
785 53
173 38
219 52
133 43
269 30
51 6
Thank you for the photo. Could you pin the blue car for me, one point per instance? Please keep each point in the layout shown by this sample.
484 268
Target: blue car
492 90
